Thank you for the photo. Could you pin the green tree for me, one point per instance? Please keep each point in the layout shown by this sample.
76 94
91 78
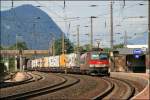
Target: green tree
106 49
118 46
19 46
58 46
11 63
1 48
84 48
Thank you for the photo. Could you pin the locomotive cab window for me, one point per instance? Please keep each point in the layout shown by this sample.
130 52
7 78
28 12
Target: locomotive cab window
95 56
103 56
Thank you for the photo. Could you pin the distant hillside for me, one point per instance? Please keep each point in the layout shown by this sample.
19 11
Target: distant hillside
21 21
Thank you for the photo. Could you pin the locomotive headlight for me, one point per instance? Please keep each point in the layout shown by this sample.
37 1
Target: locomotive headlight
100 65
91 65
103 65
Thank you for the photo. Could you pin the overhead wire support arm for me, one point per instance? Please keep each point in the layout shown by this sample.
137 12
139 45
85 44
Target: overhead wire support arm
111 24
149 34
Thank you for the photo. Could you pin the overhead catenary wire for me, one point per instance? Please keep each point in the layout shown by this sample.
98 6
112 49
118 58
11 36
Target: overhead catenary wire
81 18
49 9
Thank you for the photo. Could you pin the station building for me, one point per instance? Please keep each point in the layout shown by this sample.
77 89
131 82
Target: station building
133 58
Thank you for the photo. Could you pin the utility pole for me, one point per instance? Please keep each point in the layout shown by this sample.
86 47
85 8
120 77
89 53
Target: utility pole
53 46
33 33
149 34
111 34
20 54
35 22
53 43
16 38
21 60
111 24
63 43
91 43
63 53
78 40
91 35
125 39
16 52
50 48
78 46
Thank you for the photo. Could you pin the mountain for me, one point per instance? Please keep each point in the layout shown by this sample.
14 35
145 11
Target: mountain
141 39
29 24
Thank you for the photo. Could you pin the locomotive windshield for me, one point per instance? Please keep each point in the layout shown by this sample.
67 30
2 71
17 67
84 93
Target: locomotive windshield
99 56
103 56
95 55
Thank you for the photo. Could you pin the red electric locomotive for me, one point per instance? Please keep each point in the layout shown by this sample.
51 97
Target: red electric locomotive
95 63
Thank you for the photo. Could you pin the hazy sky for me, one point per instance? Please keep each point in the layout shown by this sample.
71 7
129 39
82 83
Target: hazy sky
126 18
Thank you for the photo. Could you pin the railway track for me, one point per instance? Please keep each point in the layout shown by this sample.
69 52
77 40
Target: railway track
86 84
49 89
113 88
120 89
36 77
116 88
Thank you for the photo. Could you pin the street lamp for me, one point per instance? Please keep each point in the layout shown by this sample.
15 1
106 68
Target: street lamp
91 35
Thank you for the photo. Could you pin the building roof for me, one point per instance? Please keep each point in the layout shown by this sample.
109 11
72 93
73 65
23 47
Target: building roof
126 51
137 46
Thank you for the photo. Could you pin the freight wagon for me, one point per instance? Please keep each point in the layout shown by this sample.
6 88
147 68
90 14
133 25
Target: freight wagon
93 63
